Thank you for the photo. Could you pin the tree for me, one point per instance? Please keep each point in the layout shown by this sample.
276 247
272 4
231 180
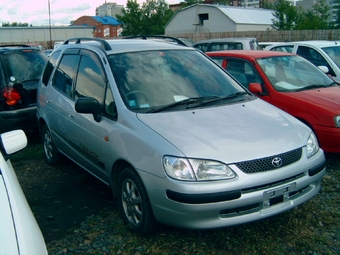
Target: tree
148 19
14 24
131 18
285 15
317 18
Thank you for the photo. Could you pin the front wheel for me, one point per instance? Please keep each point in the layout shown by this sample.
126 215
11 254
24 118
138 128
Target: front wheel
134 203
52 155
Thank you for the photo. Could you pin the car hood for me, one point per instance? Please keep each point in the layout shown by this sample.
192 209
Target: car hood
229 133
324 97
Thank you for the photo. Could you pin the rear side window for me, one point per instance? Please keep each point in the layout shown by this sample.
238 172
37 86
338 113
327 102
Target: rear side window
226 46
283 49
51 63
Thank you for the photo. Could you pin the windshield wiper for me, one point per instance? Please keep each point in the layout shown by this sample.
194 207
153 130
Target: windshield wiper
198 101
314 86
231 96
29 80
185 102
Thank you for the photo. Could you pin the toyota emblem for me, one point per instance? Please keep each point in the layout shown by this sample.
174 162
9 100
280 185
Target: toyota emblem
277 162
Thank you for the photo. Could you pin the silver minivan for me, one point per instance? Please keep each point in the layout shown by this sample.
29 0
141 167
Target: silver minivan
178 140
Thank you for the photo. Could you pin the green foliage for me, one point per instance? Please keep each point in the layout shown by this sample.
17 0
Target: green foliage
289 17
284 14
14 24
317 18
147 19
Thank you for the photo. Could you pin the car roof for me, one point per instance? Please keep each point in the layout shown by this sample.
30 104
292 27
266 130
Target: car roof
122 45
249 53
317 43
227 40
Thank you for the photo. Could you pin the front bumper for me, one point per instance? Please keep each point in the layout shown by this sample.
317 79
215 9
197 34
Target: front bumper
225 203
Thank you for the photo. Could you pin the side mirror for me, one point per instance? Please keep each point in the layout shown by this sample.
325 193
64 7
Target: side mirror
89 105
255 88
12 142
324 69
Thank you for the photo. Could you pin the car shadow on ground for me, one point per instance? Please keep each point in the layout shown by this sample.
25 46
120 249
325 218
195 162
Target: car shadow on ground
61 197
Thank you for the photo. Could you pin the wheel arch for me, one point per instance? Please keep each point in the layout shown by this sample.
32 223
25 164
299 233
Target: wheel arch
117 168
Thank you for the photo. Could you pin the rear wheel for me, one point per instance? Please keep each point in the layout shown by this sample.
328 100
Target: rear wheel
52 155
134 203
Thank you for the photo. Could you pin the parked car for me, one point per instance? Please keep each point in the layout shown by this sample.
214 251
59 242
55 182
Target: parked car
263 45
227 44
37 46
324 54
178 140
293 84
19 231
20 70
47 52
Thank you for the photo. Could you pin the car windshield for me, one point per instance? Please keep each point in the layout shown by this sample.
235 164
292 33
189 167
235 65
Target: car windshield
293 73
334 53
23 66
153 80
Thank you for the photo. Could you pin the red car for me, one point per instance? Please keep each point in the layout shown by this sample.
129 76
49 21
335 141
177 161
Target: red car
291 83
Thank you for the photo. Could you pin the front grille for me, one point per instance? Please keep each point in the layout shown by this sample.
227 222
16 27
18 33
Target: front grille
265 164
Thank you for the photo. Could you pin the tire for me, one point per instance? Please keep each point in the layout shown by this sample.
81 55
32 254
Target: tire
134 204
51 153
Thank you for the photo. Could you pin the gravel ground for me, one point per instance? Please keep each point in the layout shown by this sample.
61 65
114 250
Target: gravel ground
77 216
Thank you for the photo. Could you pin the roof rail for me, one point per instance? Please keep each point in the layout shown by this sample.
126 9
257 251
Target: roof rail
103 44
145 37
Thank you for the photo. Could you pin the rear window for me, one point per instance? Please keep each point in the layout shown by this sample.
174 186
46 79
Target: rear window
23 65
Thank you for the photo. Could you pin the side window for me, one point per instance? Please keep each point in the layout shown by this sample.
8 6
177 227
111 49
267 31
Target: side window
91 79
315 57
244 72
236 68
110 106
65 73
218 60
283 49
203 47
51 63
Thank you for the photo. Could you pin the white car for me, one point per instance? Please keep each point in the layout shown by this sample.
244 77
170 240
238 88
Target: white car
227 44
324 54
19 231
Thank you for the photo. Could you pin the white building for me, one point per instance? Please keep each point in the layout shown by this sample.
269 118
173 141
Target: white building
109 9
205 18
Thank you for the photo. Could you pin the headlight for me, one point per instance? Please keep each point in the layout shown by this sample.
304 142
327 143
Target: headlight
337 121
196 169
312 145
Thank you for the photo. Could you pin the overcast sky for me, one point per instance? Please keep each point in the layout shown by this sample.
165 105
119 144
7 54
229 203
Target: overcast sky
36 12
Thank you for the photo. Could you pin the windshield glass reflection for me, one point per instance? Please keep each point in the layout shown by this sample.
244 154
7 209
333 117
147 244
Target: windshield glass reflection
293 73
152 79
333 53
